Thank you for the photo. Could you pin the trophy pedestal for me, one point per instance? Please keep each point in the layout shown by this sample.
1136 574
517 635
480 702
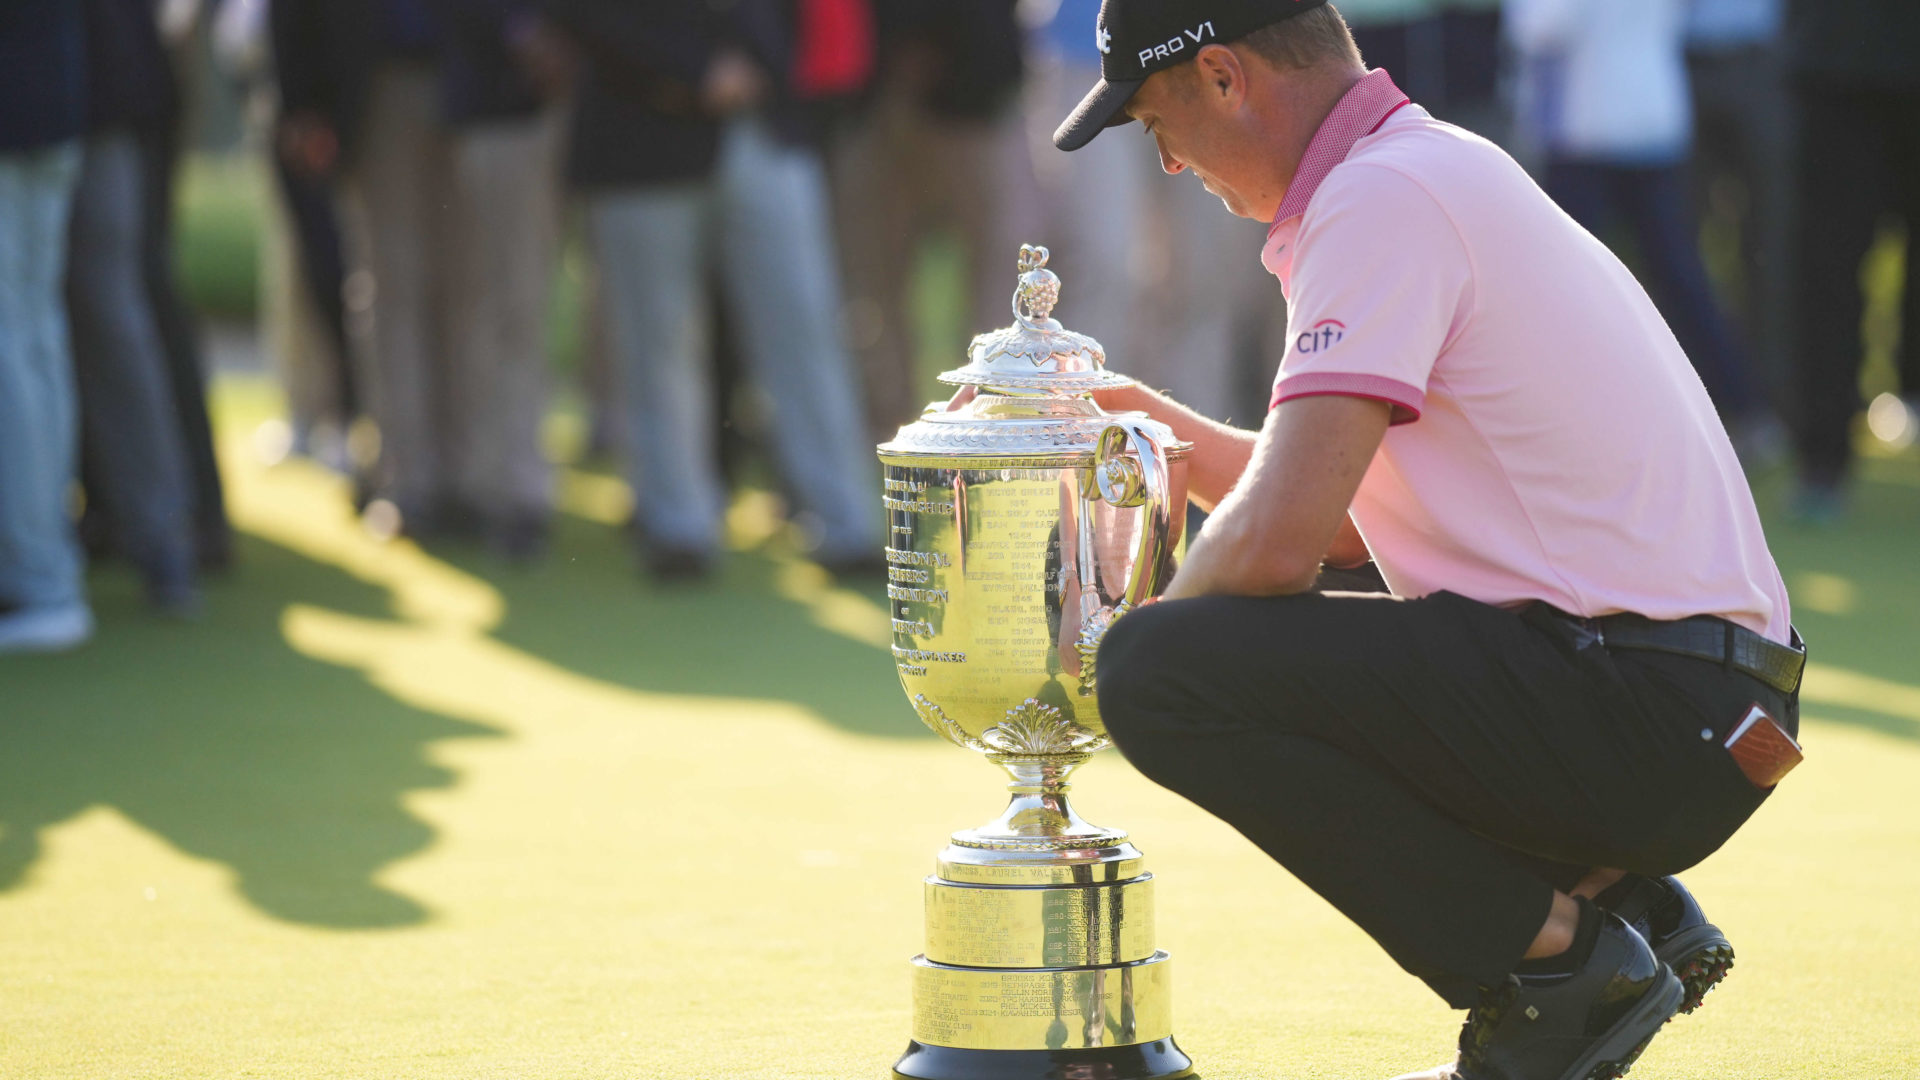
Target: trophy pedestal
1040 959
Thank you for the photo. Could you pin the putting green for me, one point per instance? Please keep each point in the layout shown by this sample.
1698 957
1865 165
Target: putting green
388 813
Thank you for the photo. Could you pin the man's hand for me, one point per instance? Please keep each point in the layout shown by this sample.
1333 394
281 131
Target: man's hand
1286 514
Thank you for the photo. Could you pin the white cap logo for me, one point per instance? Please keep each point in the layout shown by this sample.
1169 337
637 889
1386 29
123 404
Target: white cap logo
1103 39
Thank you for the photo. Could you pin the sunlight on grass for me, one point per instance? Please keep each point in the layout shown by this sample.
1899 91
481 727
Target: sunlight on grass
1828 594
603 500
842 611
304 508
754 522
1829 685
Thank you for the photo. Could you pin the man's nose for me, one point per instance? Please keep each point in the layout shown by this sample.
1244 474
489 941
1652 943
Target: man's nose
1173 165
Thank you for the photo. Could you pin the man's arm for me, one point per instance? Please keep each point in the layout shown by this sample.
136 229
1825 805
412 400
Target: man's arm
1221 454
1288 512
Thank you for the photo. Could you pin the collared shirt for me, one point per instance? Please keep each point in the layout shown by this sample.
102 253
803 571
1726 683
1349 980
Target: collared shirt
1550 441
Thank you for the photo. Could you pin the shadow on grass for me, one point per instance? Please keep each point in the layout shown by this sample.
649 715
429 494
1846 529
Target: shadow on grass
227 743
589 610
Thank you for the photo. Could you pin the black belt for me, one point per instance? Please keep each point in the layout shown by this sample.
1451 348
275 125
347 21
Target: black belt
1705 637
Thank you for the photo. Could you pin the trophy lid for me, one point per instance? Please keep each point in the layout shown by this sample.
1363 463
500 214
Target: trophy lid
1036 380
1036 356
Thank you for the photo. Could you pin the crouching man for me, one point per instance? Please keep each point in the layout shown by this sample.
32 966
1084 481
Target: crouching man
1583 678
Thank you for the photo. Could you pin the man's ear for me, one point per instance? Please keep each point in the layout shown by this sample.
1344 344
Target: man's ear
1222 77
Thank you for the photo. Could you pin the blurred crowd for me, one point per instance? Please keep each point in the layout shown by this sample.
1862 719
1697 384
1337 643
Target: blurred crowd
753 184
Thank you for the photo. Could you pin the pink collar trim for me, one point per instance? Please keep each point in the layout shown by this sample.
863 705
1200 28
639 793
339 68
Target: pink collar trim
1359 114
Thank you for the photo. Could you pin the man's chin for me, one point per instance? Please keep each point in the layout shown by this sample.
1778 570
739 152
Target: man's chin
1228 199
1235 206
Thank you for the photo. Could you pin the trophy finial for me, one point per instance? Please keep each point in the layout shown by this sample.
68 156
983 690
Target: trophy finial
1039 289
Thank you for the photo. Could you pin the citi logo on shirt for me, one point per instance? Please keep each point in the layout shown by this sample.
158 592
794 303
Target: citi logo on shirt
1324 335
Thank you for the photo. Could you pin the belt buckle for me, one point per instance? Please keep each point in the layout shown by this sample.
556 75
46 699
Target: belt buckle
1586 632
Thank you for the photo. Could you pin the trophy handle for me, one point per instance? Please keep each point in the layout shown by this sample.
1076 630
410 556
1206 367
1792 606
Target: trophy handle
1141 480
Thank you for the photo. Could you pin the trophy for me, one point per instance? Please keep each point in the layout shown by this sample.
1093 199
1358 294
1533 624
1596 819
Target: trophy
1021 525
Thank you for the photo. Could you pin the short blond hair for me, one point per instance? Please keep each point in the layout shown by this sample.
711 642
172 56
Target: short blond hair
1309 40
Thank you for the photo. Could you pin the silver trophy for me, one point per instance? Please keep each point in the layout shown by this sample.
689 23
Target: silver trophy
1021 526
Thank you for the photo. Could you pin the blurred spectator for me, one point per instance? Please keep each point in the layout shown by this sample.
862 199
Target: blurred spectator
1742 159
160 144
42 117
1858 89
691 154
501 76
1406 38
135 455
941 145
360 106
1604 87
1470 46
445 154
1444 53
303 316
1085 194
1207 313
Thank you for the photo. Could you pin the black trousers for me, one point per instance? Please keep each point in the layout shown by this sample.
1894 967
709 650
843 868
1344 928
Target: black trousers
1434 768
1859 167
180 341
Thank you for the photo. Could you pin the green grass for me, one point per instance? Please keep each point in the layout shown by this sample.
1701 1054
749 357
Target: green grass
390 813
221 202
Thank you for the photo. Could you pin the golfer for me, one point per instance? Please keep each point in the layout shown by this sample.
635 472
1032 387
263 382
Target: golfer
1583 679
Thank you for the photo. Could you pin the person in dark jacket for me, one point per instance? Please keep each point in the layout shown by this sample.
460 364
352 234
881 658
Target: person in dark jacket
43 602
1858 90
132 444
691 152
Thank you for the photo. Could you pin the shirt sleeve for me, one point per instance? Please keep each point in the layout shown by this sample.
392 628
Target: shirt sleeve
1381 281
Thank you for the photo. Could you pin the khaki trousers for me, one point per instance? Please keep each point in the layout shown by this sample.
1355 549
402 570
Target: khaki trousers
897 177
450 240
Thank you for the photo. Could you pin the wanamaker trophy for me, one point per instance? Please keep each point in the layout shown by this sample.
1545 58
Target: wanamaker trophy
1021 526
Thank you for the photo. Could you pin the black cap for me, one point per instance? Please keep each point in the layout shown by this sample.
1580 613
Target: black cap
1140 37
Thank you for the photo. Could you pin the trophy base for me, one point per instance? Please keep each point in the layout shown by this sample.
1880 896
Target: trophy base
1159 1060
1040 961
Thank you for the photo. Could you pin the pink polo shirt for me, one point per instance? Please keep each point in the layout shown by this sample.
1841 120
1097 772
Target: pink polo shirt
1550 441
